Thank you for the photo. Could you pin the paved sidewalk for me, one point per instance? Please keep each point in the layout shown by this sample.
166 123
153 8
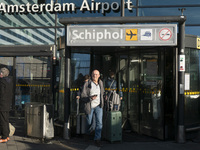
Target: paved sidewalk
130 142
22 143
25 143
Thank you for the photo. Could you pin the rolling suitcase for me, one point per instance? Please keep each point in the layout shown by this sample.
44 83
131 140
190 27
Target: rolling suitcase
80 124
78 118
112 126
80 121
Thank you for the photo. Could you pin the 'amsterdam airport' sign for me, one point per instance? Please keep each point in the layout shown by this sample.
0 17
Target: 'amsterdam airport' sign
122 35
54 7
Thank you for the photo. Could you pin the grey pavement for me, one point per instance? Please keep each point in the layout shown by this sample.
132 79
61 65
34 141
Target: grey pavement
79 143
27 143
130 141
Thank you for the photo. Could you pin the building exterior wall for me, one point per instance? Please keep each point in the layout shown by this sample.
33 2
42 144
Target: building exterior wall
39 28
43 28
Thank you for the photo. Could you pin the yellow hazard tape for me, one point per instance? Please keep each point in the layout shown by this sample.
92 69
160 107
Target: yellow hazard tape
32 85
137 90
61 91
192 92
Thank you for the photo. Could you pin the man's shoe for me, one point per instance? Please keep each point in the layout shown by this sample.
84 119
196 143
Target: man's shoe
98 143
3 140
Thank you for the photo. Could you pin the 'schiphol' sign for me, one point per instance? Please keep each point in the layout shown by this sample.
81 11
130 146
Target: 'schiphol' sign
86 5
122 35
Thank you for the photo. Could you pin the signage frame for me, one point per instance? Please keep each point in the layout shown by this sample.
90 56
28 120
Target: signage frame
198 43
155 28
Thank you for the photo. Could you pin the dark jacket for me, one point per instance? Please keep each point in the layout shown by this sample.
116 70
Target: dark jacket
85 96
6 93
112 81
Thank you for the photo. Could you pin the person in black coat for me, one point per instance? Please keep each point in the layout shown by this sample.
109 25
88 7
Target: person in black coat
5 103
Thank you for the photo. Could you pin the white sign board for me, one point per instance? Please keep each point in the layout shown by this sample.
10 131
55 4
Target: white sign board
122 35
187 81
181 62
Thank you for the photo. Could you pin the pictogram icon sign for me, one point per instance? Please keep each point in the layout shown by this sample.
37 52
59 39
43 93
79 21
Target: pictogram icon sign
131 35
165 34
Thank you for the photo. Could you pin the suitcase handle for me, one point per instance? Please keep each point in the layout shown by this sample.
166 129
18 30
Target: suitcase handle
77 106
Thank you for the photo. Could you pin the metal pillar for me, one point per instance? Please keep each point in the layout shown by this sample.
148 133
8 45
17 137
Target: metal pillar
122 8
66 134
181 84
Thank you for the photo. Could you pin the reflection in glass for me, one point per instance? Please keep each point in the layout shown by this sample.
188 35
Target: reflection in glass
33 80
192 104
80 66
61 85
28 36
25 20
134 88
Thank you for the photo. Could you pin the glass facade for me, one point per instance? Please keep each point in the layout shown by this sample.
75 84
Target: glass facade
26 19
28 36
190 13
192 105
27 28
167 2
93 12
32 76
37 28
61 86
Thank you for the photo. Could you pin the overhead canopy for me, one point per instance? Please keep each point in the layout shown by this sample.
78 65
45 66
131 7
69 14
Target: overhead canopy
141 19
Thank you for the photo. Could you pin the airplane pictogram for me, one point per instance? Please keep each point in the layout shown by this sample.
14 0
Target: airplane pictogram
131 34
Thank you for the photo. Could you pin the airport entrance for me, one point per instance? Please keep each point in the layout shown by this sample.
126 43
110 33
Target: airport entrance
151 81
31 70
144 75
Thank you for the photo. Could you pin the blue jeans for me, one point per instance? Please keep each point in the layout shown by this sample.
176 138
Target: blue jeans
98 112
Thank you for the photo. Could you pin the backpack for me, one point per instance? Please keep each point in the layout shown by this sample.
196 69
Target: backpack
113 101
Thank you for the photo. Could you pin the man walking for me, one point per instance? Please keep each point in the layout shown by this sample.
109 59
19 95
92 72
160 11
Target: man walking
92 96
5 103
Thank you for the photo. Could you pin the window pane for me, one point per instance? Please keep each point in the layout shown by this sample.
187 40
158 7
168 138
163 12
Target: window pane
192 97
192 30
128 13
99 13
33 80
28 36
25 20
159 12
191 13
80 66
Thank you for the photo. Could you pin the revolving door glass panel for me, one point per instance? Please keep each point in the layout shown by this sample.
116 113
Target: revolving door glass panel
151 84
134 91
143 92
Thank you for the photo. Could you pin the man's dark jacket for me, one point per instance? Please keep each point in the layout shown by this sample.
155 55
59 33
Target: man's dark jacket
85 96
6 93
